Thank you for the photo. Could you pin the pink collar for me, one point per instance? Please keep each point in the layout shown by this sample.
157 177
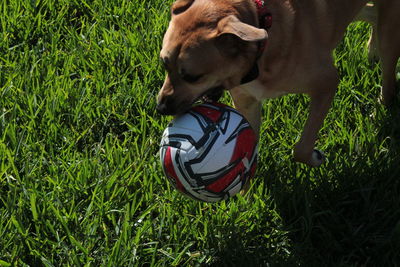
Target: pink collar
265 22
264 16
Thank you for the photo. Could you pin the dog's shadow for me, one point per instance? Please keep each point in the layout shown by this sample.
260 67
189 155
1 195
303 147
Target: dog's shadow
346 213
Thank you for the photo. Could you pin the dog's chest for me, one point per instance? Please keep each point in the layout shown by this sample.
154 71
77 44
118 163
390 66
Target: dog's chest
260 91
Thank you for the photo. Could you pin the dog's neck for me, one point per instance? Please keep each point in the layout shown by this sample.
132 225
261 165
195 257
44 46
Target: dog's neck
264 22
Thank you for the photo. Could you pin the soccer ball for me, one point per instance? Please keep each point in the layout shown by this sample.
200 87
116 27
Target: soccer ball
209 153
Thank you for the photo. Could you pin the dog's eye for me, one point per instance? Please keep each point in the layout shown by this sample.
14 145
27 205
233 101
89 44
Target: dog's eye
181 6
191 78
164 62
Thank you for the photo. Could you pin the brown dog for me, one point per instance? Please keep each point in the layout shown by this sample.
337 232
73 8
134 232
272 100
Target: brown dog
212 45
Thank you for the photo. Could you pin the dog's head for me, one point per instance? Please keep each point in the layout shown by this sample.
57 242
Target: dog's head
210 45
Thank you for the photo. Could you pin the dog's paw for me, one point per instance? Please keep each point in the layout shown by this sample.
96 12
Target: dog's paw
317 158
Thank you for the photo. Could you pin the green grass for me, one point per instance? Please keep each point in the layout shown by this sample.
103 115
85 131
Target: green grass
80 179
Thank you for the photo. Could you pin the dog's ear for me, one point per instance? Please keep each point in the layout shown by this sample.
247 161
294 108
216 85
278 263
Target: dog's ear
181 6
232 25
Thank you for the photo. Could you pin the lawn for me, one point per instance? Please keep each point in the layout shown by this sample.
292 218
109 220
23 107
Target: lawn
80 178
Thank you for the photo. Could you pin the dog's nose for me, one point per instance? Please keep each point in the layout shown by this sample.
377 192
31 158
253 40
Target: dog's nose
165 107
162 109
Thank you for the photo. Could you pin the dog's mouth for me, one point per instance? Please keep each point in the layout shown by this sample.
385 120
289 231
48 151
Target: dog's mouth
211 95
169 107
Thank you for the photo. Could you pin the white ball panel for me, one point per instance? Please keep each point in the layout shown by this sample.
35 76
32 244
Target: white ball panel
218 157
186 123
195 135
220 154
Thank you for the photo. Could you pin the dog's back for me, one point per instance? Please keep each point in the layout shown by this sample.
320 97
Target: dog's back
220 50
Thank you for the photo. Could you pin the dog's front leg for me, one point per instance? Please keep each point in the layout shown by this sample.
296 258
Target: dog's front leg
321 100
248 106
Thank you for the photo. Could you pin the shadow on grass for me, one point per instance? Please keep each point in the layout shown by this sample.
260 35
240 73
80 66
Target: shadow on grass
346 213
